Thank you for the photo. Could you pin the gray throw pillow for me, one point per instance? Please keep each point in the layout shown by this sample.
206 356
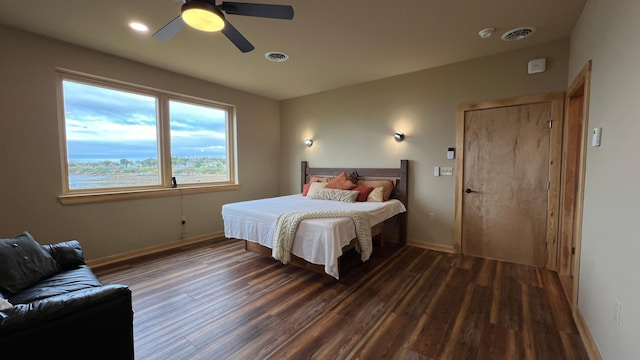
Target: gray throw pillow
23 262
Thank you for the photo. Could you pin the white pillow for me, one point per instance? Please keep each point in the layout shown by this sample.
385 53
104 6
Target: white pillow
334 194
376 195
315 187
4 304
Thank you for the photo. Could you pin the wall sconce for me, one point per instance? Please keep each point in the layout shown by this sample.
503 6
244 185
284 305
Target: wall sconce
308 142
399 136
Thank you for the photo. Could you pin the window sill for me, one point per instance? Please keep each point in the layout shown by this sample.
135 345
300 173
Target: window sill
87 198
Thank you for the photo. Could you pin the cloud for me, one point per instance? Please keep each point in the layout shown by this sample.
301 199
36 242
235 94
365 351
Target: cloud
106 123
196 117
93 104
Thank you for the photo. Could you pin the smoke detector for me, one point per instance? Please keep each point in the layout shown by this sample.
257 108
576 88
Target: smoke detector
485 33
518 33
276 56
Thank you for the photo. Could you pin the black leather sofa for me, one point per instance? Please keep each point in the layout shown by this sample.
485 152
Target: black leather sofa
67 313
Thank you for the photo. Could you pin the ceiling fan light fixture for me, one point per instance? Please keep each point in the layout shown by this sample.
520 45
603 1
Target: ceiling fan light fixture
202 15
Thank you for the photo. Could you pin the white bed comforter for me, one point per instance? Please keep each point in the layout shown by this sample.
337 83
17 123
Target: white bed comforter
319 241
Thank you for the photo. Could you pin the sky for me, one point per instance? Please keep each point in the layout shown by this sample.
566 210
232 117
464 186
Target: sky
105 124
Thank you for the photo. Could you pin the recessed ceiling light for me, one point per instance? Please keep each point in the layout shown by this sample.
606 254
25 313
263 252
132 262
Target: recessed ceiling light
139 27
276 56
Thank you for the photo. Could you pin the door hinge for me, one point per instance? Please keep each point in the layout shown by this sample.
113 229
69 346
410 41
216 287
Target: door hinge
548 185
550 123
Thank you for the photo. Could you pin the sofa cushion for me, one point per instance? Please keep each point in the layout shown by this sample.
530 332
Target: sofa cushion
59 284
23 262
67 254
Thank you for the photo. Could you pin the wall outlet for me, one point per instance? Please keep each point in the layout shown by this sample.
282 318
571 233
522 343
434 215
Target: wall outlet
447 171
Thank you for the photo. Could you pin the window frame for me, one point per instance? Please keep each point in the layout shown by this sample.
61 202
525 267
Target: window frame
163 128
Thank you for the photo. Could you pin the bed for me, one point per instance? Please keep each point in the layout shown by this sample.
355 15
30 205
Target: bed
318 243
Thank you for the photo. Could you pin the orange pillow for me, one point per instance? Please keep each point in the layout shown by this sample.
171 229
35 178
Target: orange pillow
341 182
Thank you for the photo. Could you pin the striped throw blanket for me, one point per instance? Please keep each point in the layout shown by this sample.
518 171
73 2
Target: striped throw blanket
287 225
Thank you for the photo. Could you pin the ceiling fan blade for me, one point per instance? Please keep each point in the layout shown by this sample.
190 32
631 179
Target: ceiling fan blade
259 10
236 38
170 30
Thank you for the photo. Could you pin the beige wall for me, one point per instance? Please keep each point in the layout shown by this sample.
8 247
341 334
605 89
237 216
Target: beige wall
31 176
607 33
353 126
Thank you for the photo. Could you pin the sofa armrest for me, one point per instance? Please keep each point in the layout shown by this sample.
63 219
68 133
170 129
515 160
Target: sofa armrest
52 308
67 254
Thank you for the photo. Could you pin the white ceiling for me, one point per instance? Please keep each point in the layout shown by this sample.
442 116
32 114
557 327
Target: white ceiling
331 43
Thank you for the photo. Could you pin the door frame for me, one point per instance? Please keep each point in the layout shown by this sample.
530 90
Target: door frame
571 220
556 100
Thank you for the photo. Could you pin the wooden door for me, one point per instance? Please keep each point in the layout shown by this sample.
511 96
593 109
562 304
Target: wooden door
507 180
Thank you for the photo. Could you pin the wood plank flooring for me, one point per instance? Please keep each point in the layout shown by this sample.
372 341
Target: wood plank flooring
220 302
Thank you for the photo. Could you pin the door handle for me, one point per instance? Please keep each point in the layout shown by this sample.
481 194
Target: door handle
469 191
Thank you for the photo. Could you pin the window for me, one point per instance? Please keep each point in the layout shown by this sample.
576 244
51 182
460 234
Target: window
198 143
123 138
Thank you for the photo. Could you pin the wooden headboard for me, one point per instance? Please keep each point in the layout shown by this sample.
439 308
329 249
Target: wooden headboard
399 191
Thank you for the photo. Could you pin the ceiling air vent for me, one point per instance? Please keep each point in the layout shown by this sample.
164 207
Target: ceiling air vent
276 56
518 33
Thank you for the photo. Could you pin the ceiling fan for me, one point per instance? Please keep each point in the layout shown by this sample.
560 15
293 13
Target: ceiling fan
205 15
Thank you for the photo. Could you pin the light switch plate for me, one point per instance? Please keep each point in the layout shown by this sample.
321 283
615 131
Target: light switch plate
436 171
446 171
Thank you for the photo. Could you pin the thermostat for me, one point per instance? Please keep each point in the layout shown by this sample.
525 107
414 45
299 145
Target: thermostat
451 153
537 66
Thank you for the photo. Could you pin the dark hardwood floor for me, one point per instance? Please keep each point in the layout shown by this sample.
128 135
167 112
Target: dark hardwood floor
219 301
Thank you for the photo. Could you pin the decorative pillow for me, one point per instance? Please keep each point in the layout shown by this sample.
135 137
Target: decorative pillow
353 176
388 185
341 182
4 304
315 187
376 195
364 192
23 262
305 189
335 194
